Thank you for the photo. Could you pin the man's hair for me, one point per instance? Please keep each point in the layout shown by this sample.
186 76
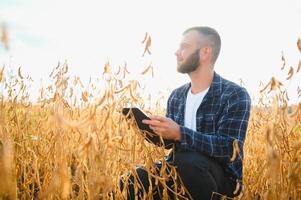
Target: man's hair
211 37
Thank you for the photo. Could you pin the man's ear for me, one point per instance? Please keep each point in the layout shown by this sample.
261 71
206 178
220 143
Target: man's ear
206 52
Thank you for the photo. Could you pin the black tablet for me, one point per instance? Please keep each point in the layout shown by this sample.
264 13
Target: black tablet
150 135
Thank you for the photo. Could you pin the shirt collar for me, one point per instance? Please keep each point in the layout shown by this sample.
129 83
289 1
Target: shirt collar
215 86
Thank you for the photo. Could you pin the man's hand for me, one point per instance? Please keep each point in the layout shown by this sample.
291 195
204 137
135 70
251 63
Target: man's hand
164 127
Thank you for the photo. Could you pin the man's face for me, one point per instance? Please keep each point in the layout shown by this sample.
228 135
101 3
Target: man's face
188 54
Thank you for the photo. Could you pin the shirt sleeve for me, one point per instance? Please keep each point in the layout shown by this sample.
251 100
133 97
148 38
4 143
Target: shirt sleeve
231 126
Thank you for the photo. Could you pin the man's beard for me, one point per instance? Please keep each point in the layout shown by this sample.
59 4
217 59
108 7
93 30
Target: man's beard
191 64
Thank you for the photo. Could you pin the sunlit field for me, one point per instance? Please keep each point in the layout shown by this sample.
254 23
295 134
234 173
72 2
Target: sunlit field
74 142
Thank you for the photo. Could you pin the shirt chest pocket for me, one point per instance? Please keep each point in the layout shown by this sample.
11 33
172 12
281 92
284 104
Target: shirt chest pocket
207 124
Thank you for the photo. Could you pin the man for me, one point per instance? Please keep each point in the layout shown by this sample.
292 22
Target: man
205 118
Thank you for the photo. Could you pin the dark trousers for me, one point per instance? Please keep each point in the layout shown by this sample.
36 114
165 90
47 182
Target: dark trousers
202 176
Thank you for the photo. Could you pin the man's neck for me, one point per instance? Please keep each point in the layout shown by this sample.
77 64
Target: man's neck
201 79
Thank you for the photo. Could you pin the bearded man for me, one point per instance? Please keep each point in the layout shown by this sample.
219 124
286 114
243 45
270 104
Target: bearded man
205 118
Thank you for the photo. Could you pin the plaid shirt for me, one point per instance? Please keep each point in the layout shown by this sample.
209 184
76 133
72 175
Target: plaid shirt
221 118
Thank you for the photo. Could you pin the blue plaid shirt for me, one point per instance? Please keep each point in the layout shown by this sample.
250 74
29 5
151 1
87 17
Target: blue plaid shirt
221 118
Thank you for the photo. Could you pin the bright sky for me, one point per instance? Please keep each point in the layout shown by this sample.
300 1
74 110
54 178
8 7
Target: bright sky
88 33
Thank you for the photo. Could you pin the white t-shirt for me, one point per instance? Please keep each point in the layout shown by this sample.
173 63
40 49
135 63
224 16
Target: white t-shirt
193 102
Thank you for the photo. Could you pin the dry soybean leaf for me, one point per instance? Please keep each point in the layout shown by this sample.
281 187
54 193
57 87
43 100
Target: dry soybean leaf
286 96
107 68
149 68
283 60
125 70
65 68
290 73
4 37
147 46
236 150
145 37
236 188
19 73
122 89
133 96
51 74
119 69
275 84
101 100
80 83
58 65
133 85
299 44
1 73
71 92
84 96
299 66
265 87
